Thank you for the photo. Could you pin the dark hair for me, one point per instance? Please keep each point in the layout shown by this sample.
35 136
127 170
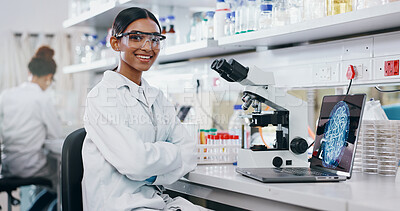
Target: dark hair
127 16
42 63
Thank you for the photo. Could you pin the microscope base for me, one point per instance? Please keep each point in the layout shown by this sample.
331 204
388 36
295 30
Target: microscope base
264 159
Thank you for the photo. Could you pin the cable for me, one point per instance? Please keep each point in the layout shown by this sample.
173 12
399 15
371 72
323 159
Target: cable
387 91
201 107
262 138
348 88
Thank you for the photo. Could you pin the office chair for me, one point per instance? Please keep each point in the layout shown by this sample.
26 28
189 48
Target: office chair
72 171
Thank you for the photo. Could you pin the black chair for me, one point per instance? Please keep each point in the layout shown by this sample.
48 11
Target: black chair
72 171
9 184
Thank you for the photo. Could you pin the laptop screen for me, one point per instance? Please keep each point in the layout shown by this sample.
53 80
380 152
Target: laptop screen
337 131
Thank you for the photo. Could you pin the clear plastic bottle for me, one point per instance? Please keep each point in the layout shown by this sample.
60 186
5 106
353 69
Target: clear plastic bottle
210 25
219 18
232 23
227 27
295 8
237 17
313 9
281 13
238 125
243 16
265 19
251 15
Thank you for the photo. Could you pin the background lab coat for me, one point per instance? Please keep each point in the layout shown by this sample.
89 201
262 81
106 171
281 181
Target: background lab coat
121 148
28 120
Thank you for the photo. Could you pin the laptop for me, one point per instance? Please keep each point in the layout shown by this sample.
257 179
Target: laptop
334 147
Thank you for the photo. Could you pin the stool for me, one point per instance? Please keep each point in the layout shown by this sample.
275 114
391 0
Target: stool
9 184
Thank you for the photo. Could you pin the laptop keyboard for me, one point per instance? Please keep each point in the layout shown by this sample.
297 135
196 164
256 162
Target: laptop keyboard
305 171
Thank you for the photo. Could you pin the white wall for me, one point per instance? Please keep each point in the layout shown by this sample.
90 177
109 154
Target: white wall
33 15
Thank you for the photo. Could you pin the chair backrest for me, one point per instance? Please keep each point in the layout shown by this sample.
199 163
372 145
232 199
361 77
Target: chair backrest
72 171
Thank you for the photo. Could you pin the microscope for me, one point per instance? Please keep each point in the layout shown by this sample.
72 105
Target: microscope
289 116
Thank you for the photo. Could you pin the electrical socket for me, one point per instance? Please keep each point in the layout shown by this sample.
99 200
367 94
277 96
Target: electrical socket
362 69
325 73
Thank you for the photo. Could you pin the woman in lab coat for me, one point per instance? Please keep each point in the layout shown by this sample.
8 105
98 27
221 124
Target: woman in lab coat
28 121
134 143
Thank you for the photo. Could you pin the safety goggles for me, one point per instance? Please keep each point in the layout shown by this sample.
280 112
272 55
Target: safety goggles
138 39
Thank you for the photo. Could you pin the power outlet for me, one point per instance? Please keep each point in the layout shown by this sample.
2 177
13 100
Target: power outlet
391 68
362 69
326 73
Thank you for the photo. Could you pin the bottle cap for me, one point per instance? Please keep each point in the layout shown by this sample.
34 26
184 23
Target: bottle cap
213 129
220 0
266 7
162 19
171 17
228 15
210 14
237 107
233 14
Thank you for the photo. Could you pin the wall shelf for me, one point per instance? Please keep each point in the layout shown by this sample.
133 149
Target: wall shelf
103 15
351 23
203 48
99 65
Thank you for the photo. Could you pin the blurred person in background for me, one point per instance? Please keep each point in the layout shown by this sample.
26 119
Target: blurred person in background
29 124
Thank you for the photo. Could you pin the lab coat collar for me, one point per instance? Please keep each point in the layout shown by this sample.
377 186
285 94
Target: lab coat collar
31 85
119 81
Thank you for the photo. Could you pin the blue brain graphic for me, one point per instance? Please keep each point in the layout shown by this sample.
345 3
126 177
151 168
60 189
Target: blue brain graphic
335 136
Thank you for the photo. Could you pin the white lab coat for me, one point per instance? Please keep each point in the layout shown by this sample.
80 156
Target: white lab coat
122 150
28 120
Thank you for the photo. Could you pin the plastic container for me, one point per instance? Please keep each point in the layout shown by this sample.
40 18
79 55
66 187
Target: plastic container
280 13
252 15
238 125
265 18
219 18
232 23
227 26
209 25
313 9
243 16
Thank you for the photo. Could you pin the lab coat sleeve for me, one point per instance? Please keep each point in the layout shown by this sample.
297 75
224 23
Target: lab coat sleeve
54 136
180 137
121 145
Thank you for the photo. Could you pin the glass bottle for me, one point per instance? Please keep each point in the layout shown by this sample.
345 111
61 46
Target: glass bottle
171 36
251 15
313 9
232 23
280 13
334 7
265 19
227 26
210 25
243 16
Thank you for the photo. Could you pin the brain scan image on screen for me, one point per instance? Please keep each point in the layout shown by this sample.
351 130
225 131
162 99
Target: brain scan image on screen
336 133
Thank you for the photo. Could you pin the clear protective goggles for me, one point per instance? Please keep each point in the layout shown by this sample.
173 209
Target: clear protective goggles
138 39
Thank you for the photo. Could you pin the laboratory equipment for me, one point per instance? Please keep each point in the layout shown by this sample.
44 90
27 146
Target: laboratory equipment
265 19
335 7
290 144
252 15
222 8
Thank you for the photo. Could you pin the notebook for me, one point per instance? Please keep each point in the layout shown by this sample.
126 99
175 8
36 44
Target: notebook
334 147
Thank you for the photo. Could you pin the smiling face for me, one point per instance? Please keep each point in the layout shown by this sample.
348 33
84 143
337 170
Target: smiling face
136 59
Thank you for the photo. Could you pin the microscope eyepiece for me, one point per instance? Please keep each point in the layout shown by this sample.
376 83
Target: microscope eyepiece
231 70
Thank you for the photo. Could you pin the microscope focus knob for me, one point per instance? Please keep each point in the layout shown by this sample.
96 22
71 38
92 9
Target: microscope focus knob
277 162
298 145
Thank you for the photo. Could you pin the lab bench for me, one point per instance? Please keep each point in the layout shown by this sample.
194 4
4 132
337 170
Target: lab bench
220 183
